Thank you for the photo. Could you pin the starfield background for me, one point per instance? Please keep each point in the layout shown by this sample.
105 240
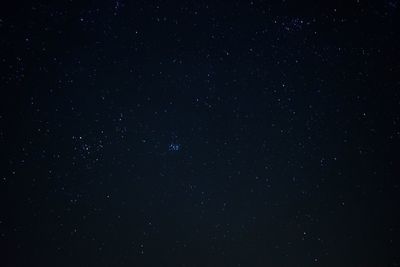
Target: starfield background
200 133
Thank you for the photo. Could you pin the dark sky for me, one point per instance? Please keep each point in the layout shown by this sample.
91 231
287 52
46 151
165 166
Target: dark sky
237 133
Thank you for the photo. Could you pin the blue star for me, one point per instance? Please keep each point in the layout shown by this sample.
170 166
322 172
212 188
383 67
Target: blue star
174 147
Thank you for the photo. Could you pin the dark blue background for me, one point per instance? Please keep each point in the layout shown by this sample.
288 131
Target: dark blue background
286 116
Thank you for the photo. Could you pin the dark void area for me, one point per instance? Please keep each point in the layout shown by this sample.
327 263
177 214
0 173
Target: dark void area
237 133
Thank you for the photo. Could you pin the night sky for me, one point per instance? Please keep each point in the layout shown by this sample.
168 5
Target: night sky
195 133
